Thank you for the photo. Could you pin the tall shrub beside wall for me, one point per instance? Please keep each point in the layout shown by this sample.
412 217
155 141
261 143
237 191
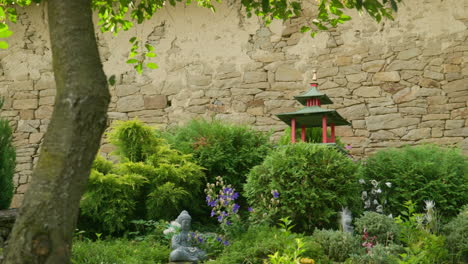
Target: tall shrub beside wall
225 150
7 163
419 173
313 183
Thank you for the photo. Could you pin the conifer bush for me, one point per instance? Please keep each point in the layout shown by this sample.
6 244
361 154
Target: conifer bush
7 163
312 182
151 181
419 173
225 150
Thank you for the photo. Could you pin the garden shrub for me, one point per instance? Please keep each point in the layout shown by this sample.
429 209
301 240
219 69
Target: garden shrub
120 251
313 182
337 245
110 200
7 163
225 150
378 225
379 254
258 242
456 232
419 173
158 187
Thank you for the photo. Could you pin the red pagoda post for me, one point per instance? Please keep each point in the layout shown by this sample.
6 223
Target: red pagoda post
324 129
293 130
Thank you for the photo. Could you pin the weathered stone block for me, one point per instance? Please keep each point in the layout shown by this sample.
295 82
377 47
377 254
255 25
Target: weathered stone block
373 66
357 78
124 90
406 65
25 104
389 121
155 101
327 72
130 103
386 77
367 91
453 124
434 75
199 80
255 77
44 112
417 134
287 73
458 132
354 112
343 61
408 54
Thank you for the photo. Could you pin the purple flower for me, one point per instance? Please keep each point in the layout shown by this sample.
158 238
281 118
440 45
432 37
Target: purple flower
235 195
212 213
348 147
228 222
219 239
275 194
227 190
224 213
235 208
220 218
250 209
200 240
226 243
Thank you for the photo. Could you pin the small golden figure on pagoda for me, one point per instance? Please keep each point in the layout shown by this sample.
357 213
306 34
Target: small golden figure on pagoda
312 115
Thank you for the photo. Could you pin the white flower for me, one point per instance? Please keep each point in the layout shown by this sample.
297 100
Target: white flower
362 181
168 231
366 204
364 195
389 184
374 183
378 191
390 216
429 205
379 209
175 224
375 201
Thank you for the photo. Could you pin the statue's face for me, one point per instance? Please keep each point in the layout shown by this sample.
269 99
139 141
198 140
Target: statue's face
185 225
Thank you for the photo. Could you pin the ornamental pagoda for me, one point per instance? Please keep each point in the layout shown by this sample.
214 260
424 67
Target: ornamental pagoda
312 115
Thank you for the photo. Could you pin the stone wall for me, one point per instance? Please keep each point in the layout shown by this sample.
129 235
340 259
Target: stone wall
398 82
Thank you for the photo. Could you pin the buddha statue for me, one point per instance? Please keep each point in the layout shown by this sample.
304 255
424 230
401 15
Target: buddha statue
182 251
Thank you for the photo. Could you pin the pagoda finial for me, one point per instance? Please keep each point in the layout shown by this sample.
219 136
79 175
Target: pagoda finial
314 77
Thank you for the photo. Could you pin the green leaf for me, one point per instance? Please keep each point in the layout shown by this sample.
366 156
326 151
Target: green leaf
150 54
139 68
112 80
152 65
132 39
149 47
3 45
305 29
6 33
131 61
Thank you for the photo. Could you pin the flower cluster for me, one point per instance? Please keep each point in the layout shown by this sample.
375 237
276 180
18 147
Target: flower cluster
172 229
221 198
369 242
373 194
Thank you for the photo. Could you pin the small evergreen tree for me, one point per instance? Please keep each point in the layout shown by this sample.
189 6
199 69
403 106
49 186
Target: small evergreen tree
7 162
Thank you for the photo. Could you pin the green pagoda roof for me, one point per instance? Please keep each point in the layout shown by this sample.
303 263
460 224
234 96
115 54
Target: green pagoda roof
311 116
313 93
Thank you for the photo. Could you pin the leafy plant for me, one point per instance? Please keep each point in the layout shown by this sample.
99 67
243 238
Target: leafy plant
421 173
456 232
337 245
225 150
153 181
288 255
254 246
7 163
421 245
378 225
313 183
110 200
119 251
379 254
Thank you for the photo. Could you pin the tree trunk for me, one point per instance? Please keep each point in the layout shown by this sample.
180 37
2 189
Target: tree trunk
44 229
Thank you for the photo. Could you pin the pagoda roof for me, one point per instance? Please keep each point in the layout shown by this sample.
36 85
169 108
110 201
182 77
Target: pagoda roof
311 116
313 93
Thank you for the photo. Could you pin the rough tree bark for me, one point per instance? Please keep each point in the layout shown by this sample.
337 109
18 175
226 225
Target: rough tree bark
47 219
